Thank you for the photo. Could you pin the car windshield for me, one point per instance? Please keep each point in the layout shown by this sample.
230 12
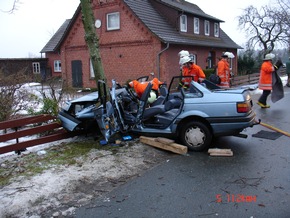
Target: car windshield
177 84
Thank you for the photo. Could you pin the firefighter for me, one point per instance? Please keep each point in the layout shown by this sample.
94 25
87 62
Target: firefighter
140 87
265 82
191 69
223 71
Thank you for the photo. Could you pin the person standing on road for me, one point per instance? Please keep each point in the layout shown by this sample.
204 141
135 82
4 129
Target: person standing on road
265 81
223 71
288 72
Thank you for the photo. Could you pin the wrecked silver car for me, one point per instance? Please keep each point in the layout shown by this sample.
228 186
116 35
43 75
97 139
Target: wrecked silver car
192 116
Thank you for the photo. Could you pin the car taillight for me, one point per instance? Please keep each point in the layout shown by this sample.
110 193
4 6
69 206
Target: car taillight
243 107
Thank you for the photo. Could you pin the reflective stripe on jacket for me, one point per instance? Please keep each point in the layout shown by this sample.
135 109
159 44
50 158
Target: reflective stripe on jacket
265 81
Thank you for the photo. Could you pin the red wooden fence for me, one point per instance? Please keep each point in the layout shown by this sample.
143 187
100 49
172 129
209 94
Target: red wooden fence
28 126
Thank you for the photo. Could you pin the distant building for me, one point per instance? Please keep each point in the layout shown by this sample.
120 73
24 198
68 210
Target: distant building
33 67
137 38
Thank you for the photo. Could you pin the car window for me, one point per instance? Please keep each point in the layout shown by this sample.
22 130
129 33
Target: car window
193 92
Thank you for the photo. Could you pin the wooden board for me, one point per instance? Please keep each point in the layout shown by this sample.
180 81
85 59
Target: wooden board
164 140
220 152
173 147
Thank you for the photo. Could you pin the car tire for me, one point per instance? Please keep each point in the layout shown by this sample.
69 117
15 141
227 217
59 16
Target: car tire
196 136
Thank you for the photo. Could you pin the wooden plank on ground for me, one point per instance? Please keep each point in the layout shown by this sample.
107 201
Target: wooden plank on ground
164 140
173 147
220 152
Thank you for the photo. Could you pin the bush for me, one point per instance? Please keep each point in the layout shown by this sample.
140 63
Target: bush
12 96
208 72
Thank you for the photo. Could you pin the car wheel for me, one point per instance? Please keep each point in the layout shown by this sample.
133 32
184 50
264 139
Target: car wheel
196 136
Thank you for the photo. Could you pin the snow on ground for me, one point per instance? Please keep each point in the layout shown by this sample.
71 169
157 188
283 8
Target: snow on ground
58 191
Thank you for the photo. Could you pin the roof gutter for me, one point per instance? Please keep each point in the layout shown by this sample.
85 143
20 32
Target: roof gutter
158 59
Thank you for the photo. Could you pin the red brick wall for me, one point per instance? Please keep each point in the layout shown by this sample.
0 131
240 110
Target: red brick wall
51 58
126 54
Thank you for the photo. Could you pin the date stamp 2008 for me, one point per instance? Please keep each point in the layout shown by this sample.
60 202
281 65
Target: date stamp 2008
235 198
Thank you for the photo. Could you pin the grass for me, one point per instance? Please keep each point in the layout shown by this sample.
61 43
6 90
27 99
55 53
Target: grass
63 154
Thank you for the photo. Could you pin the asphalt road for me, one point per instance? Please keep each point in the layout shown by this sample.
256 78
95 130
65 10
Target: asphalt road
255 182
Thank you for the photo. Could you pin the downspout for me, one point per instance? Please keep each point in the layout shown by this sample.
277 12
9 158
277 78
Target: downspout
158 59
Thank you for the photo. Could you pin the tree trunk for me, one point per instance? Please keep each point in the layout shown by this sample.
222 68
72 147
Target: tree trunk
92 41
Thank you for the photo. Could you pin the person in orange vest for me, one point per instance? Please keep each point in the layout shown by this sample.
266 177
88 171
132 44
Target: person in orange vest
140 87
265 81
191 69
223 71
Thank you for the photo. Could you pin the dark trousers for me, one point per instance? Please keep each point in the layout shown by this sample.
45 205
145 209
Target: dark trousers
264 96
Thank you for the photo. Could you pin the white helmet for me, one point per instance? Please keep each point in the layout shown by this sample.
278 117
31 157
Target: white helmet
184 60
183 53
152 97
269 56
229 54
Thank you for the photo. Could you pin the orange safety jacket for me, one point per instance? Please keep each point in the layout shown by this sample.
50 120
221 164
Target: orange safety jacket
195 71
265 81
224 73
140 87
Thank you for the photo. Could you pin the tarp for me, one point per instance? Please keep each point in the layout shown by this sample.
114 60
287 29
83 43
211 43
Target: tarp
277 88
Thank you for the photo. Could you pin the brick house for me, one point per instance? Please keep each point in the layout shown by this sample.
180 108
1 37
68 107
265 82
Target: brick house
136 38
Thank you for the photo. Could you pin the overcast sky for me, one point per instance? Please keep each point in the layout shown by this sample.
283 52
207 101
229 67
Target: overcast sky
25 32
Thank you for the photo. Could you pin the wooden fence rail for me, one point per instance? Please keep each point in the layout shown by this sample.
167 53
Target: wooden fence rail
31 126
245 79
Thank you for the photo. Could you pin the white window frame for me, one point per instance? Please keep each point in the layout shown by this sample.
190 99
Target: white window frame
57 66
193 57
36 67
113 24
183 23
92 73
216 30
196 25
206 28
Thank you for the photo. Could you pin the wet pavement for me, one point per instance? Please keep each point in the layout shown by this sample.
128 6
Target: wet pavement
255 182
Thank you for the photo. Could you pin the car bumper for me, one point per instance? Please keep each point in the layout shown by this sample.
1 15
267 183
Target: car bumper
231 125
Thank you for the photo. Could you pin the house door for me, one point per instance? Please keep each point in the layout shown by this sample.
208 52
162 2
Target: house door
77 74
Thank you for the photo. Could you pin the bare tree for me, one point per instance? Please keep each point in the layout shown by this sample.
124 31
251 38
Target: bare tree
284 6
13 7
264 27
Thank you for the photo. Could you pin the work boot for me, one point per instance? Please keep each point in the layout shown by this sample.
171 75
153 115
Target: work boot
263 105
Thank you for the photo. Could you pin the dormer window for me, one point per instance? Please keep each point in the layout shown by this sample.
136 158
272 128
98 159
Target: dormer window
183 23
216 30
196 25
113 21
206 27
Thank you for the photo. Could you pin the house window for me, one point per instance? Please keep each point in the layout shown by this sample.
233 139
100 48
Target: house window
216 30
113 21
193 58
57 66
36 67
183 23
206 27
196 25
92 73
